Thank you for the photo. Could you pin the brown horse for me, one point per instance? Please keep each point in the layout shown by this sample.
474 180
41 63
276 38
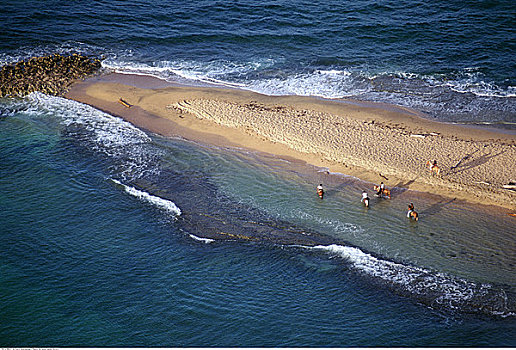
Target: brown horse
432 166
320 191
412 214
385 192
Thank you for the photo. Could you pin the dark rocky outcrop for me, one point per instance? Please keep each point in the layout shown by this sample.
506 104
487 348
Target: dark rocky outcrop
51 75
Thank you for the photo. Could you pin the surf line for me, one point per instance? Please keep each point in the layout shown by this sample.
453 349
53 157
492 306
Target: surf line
154 200
432 288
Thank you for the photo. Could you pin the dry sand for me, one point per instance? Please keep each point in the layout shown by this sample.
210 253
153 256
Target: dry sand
374 142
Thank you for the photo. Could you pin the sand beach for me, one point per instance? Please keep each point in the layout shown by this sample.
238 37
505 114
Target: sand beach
373 142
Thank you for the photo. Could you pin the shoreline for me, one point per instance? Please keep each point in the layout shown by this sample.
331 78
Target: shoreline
373 142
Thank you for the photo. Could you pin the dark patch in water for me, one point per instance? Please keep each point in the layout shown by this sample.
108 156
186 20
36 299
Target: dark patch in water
206 213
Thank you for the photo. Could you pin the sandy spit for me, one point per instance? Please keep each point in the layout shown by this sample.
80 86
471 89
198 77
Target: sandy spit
374 142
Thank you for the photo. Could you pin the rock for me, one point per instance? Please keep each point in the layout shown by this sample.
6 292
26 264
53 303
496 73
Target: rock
49 74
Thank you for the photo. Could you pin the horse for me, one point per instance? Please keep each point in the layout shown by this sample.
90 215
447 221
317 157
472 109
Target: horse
385 192
365 199
320 191
432 166
412 214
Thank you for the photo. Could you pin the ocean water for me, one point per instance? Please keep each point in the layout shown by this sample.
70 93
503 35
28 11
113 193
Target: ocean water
115 237
452 60
111 236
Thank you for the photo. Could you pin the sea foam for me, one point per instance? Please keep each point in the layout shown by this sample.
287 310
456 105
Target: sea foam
109 131
432 288
265 76
101 132
159 202
200 239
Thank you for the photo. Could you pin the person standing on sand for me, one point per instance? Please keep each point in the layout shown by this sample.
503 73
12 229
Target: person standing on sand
435 168
432 166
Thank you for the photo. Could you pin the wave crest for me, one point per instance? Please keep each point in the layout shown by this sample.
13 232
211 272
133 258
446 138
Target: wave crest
159 202
437 290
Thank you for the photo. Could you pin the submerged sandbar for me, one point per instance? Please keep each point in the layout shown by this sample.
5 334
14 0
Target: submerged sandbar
374 142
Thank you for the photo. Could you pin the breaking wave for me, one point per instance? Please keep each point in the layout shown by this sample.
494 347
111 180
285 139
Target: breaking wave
436 290
108 131
100 132
266 76
466 95
156 201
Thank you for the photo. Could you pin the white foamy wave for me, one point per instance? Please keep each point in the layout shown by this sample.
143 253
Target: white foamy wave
204 240
100 132
474 82
264 77
436 289
109 131
212 73
320 83
469 80
482 89
136 68
371 265
154 200
485 123
344 83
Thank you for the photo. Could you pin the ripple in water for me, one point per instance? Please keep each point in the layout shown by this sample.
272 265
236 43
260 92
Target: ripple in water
207 214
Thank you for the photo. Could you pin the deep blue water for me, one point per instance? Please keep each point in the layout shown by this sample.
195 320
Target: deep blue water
453 60
114 237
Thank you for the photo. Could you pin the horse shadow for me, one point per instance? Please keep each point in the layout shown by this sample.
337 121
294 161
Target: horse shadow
341 187
436 207
401 187
473 163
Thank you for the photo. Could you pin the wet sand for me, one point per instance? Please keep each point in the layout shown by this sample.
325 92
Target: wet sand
373 142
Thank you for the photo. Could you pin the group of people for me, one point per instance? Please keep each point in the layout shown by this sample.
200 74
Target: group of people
381 191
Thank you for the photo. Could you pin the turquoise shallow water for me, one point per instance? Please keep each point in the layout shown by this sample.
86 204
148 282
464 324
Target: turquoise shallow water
111 237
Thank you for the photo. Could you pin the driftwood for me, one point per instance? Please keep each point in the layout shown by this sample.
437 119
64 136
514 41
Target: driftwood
124 103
